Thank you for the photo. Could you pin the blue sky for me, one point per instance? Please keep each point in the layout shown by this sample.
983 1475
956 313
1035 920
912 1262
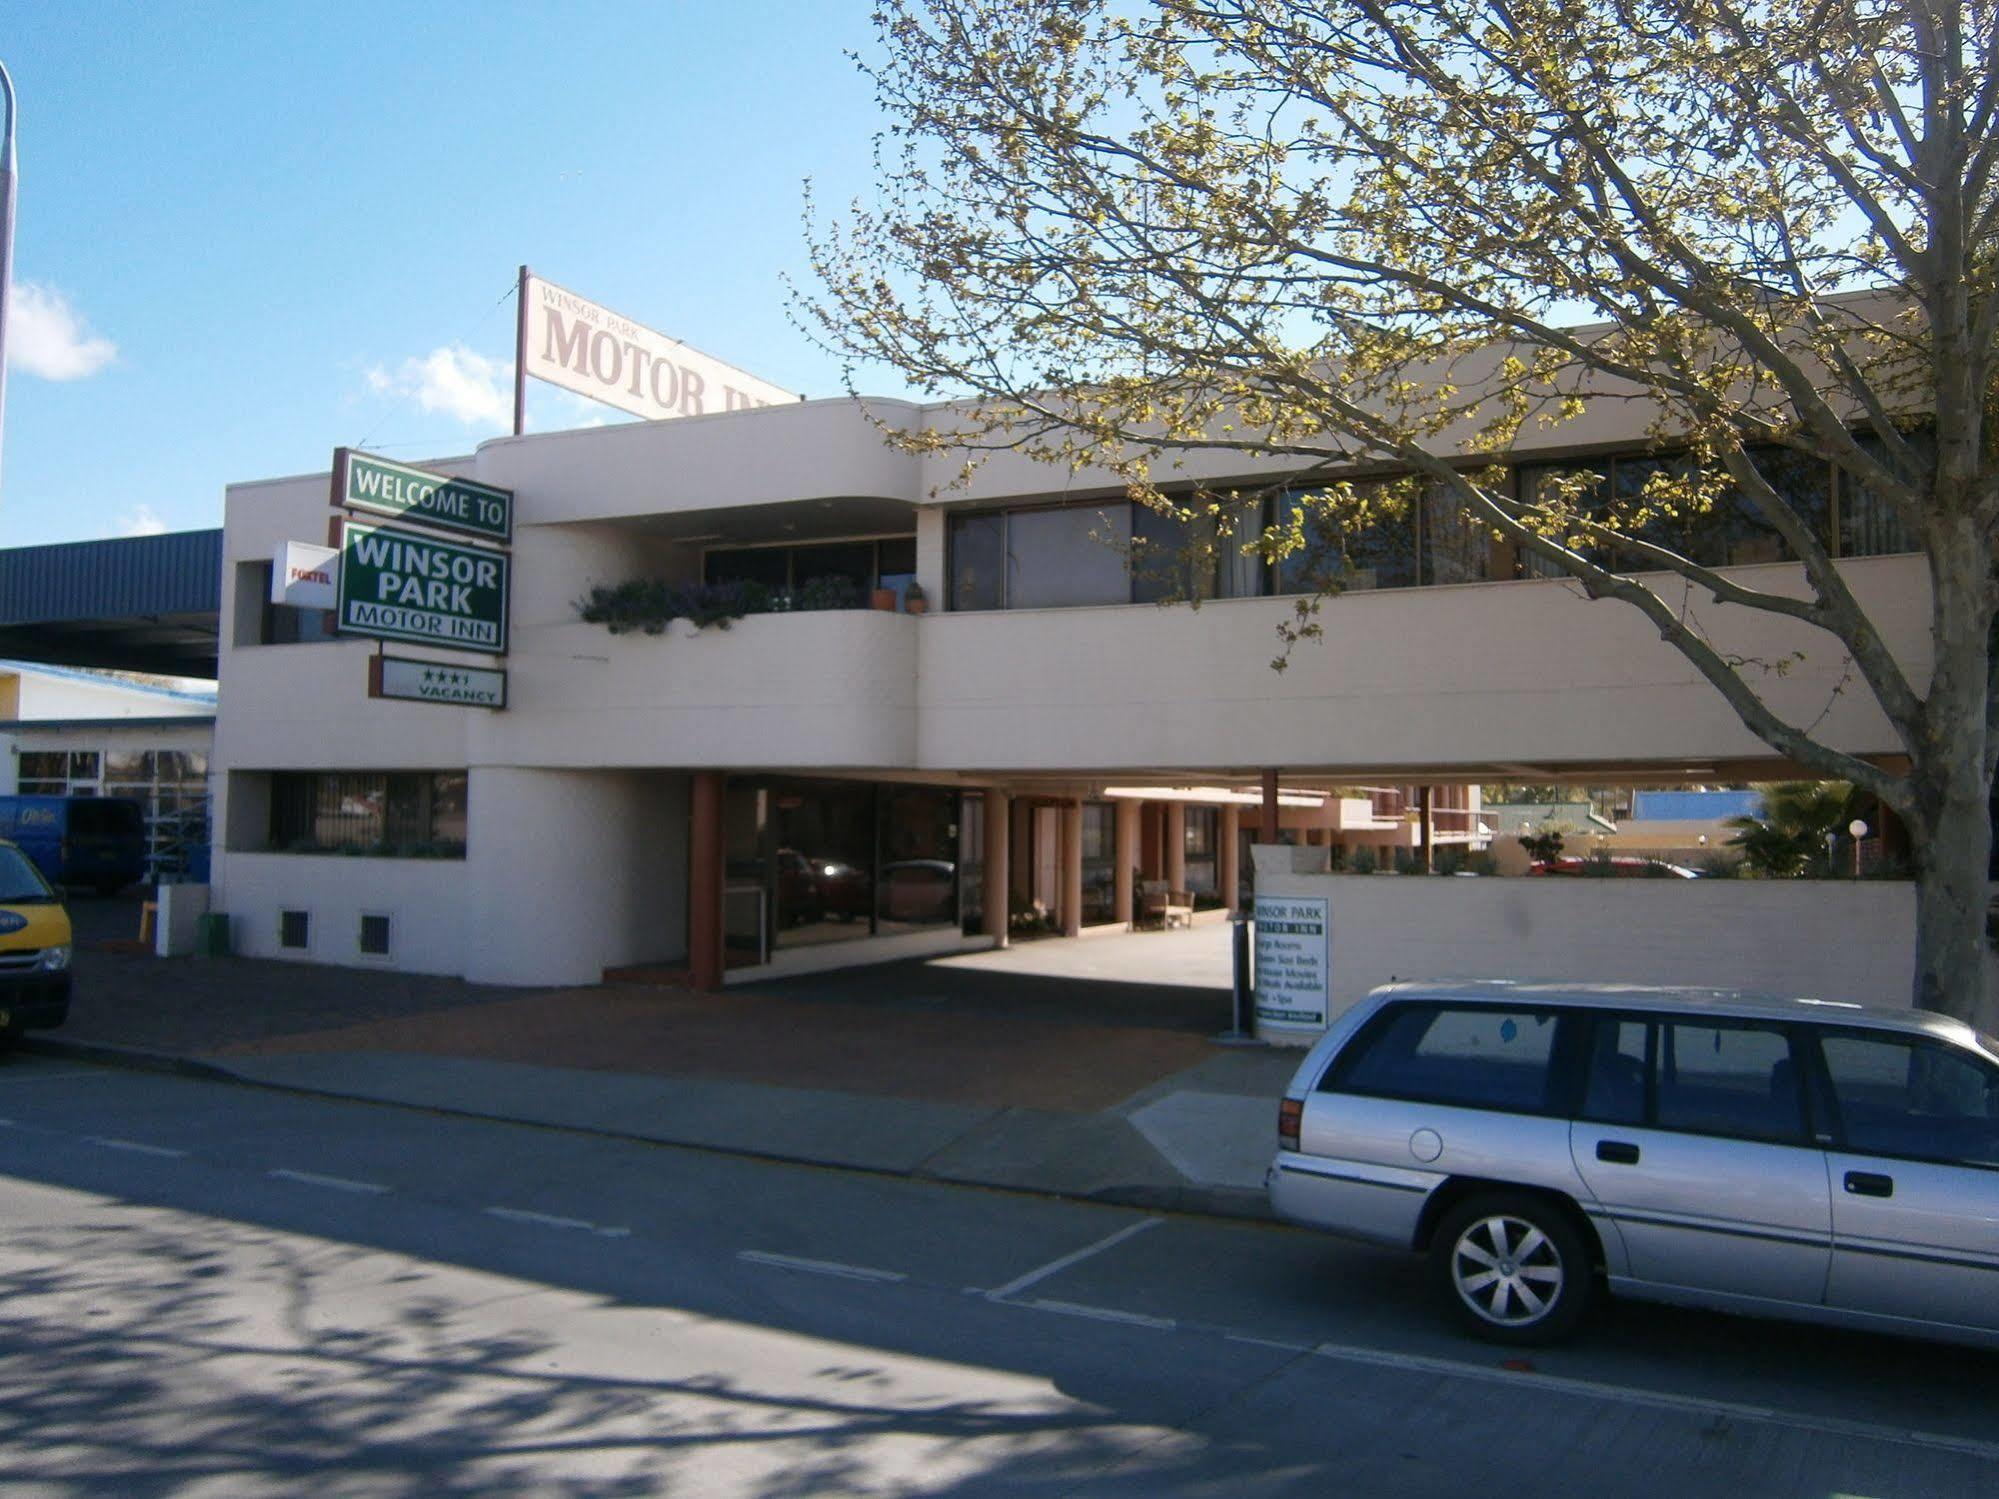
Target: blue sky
249 233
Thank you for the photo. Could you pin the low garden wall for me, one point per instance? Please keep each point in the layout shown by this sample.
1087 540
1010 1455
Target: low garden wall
1830 939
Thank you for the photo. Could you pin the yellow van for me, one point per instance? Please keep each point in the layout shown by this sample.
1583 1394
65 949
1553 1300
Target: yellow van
35 943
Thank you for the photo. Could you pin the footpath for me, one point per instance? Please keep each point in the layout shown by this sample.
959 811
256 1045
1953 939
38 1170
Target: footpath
1041 1069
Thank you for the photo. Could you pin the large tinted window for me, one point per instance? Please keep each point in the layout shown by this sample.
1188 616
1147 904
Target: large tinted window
978 561
1061 558
1467 1056
1913 1098
1728 1079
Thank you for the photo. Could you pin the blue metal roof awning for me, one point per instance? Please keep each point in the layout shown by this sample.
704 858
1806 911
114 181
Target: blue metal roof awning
136 603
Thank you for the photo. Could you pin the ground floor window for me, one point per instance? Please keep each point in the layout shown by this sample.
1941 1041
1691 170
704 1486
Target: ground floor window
1100 864
815 861
1202 845
410 814
170 787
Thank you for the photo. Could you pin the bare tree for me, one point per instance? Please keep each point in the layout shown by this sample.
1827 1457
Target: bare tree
1402 231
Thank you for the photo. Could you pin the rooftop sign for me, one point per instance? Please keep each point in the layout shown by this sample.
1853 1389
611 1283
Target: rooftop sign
361 481
569 341
398 585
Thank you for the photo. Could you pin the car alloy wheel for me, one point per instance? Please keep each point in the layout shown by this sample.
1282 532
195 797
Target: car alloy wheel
1507 1271
1514 1266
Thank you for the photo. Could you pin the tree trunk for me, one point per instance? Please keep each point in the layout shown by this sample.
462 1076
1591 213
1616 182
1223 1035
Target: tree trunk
1952 791
1951 893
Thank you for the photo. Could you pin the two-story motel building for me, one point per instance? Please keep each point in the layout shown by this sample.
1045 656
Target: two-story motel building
826 787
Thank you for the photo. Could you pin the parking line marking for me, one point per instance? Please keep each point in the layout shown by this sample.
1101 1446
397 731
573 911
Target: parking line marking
1658 1399
337 1183
1096 1313
820 1267
135 1147
1277 1343
550 1220
1056 1267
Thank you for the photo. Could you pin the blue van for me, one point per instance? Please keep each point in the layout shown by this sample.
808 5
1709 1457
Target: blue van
99 841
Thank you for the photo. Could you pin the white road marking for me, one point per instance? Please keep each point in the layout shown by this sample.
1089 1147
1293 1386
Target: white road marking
337 1183
135 1147
550 1220
1056 1267
820 1267
1658 1399
1097 1313
1279 1344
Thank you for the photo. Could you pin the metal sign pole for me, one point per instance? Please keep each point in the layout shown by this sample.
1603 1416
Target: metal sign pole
521 354
7 174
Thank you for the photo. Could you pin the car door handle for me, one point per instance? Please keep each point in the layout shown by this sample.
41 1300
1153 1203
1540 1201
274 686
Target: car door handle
1870 1184
1618 1152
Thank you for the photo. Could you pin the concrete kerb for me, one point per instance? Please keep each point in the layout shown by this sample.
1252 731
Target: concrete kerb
1187 1198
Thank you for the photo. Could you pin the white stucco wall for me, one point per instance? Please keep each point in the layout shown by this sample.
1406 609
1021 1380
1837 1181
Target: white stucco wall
1837 940
1522 671
571 872
425 898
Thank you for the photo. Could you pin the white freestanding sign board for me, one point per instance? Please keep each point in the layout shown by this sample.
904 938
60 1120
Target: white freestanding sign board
1294 950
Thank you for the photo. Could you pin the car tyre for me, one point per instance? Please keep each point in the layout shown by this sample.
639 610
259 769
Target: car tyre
1514 1268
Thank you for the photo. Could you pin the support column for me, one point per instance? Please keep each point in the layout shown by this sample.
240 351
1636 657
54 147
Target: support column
998 877
1271 830
1426 830
705 868
1072 868
1126 843
1176 845
1228 856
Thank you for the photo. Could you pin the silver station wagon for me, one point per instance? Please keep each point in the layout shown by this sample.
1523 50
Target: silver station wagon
1787 1157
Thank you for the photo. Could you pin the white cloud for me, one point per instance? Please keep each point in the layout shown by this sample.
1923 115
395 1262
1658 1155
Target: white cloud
141 520
452 379
46 337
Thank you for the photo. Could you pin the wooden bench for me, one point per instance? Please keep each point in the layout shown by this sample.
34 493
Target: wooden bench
1162 906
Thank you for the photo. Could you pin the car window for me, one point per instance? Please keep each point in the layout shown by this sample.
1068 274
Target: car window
1735 1080
1615 1093
1905 1097
1466 1056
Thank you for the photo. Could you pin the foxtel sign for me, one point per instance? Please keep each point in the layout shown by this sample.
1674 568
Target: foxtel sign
569 341
398 585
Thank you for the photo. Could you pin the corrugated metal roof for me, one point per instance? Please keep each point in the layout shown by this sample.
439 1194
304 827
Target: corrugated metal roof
179 572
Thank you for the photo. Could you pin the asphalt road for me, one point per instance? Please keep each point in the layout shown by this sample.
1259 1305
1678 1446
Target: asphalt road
210 1290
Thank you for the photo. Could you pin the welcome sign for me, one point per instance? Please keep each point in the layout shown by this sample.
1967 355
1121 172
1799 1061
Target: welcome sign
361 481
398 585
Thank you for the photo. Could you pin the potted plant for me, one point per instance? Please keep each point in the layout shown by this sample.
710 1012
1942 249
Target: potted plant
914 599
883 598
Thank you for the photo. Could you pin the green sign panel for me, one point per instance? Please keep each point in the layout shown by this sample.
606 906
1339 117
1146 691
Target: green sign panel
362 481
397 585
